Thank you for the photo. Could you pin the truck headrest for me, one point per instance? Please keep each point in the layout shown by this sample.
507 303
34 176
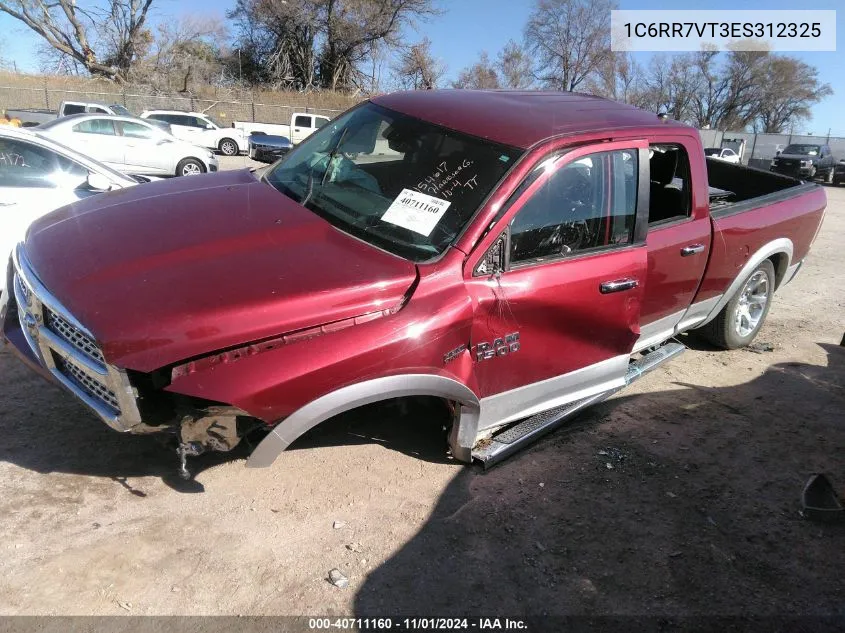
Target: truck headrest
663 166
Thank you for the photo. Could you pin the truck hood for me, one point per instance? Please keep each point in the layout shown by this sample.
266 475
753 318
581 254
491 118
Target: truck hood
183 267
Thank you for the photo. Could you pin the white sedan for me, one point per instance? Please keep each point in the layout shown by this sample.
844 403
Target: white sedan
130 145
722 153
201 129
38 175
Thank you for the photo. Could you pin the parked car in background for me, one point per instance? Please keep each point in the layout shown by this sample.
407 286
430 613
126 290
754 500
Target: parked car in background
806 161
722 153
131 145
302 125
839 172
201 129
37 175
268 148
515 273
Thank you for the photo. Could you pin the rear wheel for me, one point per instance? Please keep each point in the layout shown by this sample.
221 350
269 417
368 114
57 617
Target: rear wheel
228 147
190 167
743 316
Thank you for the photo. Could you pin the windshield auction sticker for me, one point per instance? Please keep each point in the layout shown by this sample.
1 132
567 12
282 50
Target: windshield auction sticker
416 211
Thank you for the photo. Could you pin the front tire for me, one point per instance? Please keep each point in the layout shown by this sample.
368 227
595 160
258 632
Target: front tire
190 167
228 147
741 319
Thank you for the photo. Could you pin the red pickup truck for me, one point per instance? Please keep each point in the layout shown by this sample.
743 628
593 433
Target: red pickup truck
415 246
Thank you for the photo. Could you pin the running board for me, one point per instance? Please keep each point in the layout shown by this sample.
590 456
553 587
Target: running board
508 441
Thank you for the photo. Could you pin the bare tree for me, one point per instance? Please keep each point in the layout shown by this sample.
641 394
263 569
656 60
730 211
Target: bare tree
514 66
789 90
728 95
481 75
417 69
570 40
185 52
619 78
106 37
323 43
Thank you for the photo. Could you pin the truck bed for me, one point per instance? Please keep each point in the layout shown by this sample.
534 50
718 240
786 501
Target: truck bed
735 188
751 209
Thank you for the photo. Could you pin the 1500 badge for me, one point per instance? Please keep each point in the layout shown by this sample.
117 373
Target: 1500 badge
508 344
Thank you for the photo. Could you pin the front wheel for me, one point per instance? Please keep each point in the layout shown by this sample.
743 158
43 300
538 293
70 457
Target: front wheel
228 147
190 167
743 316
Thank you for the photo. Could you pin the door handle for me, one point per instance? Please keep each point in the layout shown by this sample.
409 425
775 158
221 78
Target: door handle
692 249
7 204
618 285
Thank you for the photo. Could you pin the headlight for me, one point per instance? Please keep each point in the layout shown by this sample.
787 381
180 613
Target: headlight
775 162
806 163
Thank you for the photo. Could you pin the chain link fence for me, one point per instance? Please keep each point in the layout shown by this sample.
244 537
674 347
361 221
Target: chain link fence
224 110
760 149
243 105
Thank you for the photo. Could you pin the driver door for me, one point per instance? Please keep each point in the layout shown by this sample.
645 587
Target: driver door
557 321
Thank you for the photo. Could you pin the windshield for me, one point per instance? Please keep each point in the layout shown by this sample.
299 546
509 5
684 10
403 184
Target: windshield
405 185
807 150
119 109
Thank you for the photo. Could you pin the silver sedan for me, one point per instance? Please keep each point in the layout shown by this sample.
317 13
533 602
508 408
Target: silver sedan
130 145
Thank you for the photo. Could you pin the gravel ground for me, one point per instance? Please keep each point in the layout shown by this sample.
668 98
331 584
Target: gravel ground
678 497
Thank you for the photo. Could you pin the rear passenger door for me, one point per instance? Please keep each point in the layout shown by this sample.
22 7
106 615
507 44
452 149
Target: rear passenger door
558 324
678 239
100 139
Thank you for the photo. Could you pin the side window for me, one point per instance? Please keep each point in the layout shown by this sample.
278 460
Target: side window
320 121
135 130
160 117
669 190
23 164
588 204
198 123
73 108
302 121
179 119
98 110
96 126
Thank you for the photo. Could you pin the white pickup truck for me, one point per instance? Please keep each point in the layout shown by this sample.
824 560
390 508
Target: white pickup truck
33 116
301 126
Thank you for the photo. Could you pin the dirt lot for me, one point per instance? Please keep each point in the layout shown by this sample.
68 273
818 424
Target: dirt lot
678 497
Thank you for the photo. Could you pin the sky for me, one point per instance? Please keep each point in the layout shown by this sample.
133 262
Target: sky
468 26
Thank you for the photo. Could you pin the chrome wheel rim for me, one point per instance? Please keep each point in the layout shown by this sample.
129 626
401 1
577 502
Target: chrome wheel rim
191 169
229 148
752 304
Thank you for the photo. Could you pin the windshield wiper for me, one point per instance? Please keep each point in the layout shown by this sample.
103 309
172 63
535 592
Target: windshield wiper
332 154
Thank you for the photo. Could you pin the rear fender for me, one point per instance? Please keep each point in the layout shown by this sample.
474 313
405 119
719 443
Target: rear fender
781 246
368 392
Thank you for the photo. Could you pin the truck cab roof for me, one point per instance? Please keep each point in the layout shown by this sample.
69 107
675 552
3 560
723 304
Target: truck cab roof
520 118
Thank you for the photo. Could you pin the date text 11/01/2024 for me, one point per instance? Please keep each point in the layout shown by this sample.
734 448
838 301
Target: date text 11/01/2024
418 624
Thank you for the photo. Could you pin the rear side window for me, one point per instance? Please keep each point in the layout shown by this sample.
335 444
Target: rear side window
670 188
586 205
73 108
135 130
302 121
24 164
96 126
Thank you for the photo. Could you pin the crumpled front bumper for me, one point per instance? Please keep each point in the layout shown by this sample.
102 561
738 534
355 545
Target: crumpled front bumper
47 338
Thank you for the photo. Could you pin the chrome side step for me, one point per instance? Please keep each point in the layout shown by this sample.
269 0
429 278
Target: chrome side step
513 438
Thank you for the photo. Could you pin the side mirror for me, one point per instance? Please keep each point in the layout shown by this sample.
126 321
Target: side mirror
777 153
208 126
163 141
98 182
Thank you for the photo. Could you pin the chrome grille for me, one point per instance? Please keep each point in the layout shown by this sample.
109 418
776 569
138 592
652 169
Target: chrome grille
92 387
72 335
69 351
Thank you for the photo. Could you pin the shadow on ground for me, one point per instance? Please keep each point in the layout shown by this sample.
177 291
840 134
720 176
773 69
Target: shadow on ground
54 433
677 503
